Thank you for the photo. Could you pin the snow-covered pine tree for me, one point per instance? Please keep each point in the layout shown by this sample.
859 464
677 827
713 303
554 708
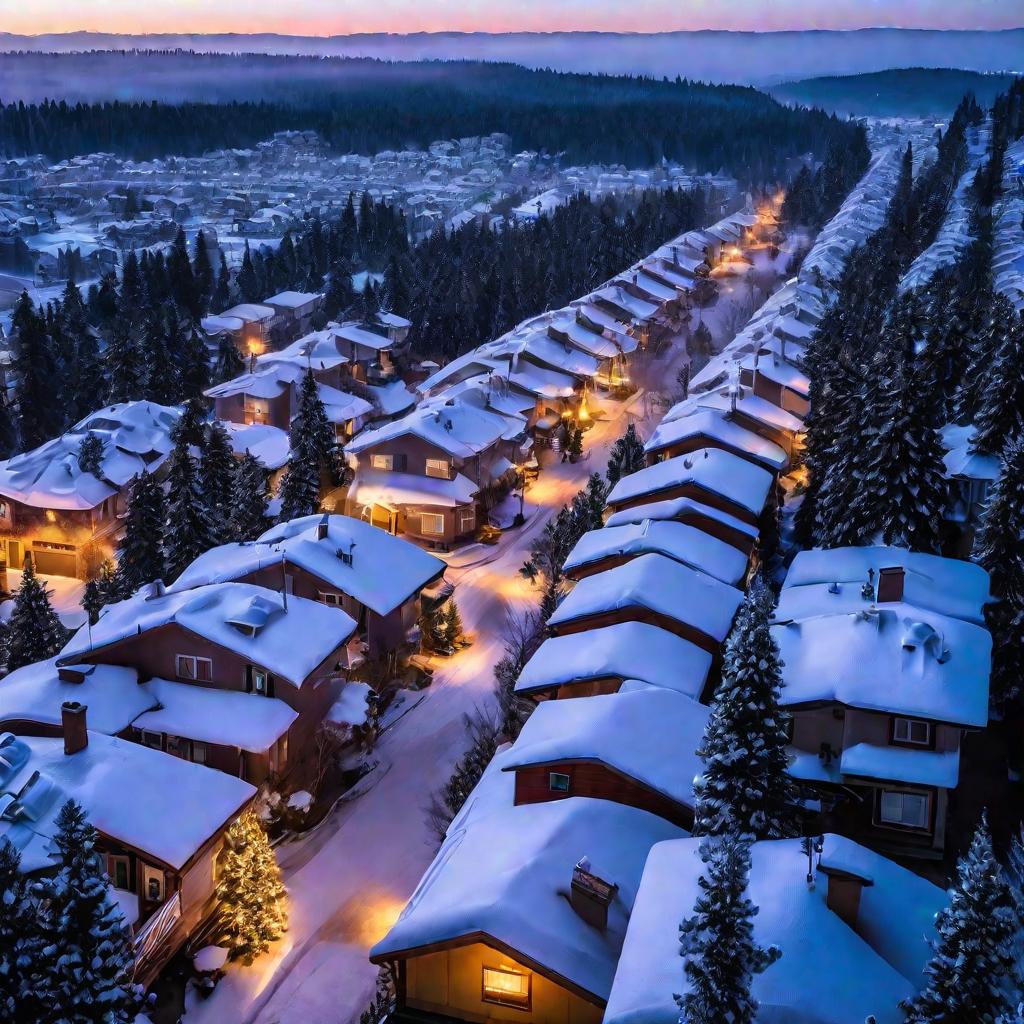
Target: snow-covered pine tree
123 360
187 530
92 600
90 454
717 941
21 940
253 911
973 962
36 369
229 363
85 974
1001 412
248 518
627 456
222 292
140 557
744 788
191 425
193 360
34 631
218 474
452 628
312 451
597 495
162 384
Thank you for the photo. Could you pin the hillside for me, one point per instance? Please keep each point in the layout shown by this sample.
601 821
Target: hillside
908 92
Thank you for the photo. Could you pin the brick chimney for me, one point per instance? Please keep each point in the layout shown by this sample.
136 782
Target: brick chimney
890 583
72 719
844 889
321 527
591 896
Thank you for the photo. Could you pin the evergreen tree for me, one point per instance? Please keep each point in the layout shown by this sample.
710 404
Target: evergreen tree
717 941
188 530
627 456
34 631
222 293
181 281
21 940
87 979
311 439
36 369
92 600
123 359
191 428
1001 414
253 910
229 363
8 430
90 454
452 627
202 272
140 558
974 957
340 296
248 517
248 283
218 475
744 788
108 584
160 369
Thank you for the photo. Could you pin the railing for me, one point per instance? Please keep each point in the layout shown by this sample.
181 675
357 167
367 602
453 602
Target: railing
153 933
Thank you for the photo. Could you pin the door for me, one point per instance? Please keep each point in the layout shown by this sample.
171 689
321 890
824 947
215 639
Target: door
55 563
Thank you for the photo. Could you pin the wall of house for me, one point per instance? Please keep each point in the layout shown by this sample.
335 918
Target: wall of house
276 409
593 779
450 982
692 444
636 613
694 492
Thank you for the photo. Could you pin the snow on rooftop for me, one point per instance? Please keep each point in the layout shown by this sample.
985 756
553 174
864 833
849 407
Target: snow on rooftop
902 764
827 974
711 469
622 650
658 584
292 300
678 508
269 445
678 541
961 460
718 425
250 621
381 487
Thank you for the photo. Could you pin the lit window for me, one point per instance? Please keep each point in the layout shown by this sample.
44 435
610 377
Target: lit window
191 668
911 730
907 809
259 679
507 988
558 782
382 462
432 522
438 468
153 884
330 599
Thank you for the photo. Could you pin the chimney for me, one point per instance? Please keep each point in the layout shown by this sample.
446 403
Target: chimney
321 527
591 896
843 895
72 673
72 718
890 583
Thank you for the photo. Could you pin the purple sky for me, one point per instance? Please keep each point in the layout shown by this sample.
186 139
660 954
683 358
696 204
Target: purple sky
327 17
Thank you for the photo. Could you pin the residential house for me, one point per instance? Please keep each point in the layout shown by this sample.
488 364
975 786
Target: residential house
712 521
971 476
295 312
250 326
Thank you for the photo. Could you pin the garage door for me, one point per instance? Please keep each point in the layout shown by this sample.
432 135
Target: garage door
55 563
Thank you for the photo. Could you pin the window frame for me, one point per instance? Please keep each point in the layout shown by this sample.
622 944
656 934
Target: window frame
442 469
467 514
434 517
116 861
385 463
197 661
884 822
497 998
928 743
152 874
199 752
554 782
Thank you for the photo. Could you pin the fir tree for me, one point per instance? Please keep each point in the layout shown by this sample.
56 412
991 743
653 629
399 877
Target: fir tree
90 454
248 284
8 430
248 516
222 293
140 558
229 363
312 447
191 428
744 788
717 942
90 980
252 898
36 369
92 600
1001 414
108 584
160 370
218 474
202 272
452 627
123 359
597 495
34 631
21 940
974 957
627 456
188 530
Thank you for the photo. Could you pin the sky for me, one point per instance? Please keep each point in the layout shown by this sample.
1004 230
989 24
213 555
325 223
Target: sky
330 17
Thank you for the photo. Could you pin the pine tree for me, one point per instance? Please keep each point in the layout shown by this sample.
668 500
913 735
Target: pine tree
108 584
21 940
311 439
229 363
123 359
90 454
248 283
188 530
161 371
248 518
627 456
253 911
452 627
717 942
34 631
974 958
36 369
140 557
218 475
744 788
597 495
8 430
92 600
1001 414
87 978
222 293
202 272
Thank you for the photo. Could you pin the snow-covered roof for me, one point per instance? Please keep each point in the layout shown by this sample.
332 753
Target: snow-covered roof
718 425
506 872
249 620
711 469
35 693
356 335
961 460
679 508
269 445
827 974
385 571
648 734
228 717
159 804
249 312
678 541
135 436
625 650
902 764
893 657
658 584
380 487
947 585
292 300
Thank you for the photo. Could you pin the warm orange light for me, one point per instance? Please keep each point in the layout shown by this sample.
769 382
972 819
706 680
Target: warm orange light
51 516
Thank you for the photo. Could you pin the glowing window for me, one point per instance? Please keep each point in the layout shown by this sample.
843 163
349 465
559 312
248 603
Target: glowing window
507 988
431 522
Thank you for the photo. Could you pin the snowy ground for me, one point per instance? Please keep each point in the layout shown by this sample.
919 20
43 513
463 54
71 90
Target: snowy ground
351 877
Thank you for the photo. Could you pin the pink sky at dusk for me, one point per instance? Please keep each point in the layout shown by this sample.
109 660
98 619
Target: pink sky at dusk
330 17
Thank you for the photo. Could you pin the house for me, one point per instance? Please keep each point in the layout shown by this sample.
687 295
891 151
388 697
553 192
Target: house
68 520
607 659
636 747
710 476
854 938
882 676
376 351
250 326
160 821
338 561
971 476
273 663
603 549
295 312
712 521
655 589
778 381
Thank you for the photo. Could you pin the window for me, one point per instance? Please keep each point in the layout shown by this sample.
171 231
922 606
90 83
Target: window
506 988
432 522
382 462
153 739
909 810
3 509
198 752
119 870
467 520
911 730
192 668
438 468
558 782
259 680
331 600
153 884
